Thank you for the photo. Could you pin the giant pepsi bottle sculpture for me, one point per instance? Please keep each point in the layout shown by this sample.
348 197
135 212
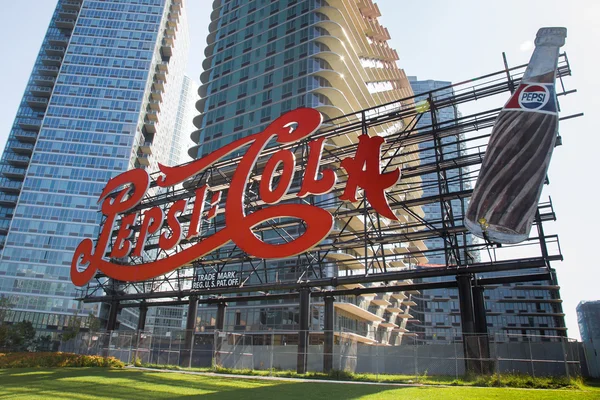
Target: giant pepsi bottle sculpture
510 182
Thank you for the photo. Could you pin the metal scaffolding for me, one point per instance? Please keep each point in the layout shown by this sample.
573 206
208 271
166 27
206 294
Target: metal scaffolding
363 247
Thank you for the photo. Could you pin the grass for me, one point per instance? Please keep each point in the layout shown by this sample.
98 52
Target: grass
503 380
101 383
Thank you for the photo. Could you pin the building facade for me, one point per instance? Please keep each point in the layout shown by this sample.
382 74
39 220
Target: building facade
265 58
102 98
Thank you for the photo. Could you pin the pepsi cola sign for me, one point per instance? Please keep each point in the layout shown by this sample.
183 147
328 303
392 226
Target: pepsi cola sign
133 228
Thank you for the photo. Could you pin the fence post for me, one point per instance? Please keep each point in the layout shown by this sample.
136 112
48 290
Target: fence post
272 350
531 357
497 357
455 355
565 356
416 358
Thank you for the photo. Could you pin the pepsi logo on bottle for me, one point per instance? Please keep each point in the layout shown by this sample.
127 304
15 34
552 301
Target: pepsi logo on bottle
533 97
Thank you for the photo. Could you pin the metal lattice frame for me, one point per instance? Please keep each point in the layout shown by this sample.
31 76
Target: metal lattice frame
385 250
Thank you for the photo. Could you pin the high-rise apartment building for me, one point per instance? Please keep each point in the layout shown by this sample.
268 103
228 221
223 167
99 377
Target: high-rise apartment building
588 319
102 98
512 309
265 58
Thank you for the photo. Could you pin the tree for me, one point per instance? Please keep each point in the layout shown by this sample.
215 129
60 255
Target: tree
20 336
5 307
72 329
93 323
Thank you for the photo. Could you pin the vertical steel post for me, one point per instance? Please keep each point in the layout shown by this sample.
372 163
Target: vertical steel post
467 316
481 327
328 326
303 333
190 328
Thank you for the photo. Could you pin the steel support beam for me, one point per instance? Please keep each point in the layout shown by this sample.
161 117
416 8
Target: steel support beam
467 321
190 329
483 339
111 324
303 331
328 327
142 319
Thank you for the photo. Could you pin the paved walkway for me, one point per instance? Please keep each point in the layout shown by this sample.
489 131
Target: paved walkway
279 378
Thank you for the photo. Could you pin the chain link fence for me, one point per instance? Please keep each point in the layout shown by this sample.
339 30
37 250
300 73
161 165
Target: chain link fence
279 350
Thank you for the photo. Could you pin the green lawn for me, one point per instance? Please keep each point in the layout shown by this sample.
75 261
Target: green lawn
99 383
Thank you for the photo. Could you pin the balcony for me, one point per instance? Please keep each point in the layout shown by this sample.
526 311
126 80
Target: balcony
65 23
7 186
40 91
156 95
143 159
158 85
4 224
71 5
44 81
152 115
154 105
163 66
150 126
146 147
17 160
48 70
176 7
160 75
13 172
8 199
55 50
166 48
37 102
52 60
25 136
30 124
172 22
171 30
345 261
68 14
58 41
22 148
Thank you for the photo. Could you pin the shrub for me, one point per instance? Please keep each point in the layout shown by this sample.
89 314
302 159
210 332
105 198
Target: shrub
56 360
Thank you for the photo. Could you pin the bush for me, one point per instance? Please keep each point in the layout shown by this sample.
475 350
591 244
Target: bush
56 360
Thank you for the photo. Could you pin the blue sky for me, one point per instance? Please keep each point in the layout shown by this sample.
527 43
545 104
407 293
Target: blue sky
443 40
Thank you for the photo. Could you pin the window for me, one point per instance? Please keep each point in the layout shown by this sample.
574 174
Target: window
268 81
265 114
287 90
288 56
245 60
272 21
238 123
244 72
242 90
240 107
289 41
288 72
267 97
270 64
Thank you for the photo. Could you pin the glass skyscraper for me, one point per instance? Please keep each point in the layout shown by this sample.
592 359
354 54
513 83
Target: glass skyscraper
588 319
102 98
265 58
